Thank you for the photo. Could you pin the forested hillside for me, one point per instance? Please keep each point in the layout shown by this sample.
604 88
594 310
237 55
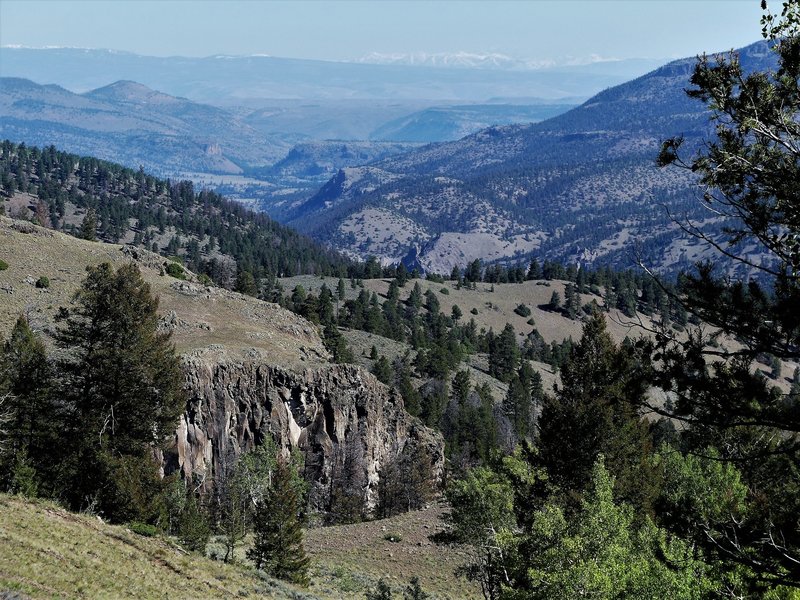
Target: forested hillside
92 198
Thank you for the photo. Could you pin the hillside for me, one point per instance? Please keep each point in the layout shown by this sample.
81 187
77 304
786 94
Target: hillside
445 123
199 316
582 186
48 552
212 235
217 332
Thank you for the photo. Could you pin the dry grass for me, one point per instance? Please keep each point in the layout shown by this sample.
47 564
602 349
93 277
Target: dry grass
48 552
204 316
494 308
349 559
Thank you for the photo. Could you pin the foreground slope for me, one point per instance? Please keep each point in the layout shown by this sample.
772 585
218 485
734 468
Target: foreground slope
48 552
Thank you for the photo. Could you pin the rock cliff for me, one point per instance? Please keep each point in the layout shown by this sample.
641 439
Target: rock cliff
335 415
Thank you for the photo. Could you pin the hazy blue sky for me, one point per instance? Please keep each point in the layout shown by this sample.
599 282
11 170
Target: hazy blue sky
348 30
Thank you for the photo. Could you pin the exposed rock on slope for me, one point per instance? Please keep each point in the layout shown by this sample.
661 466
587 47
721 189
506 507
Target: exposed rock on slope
251 367
332 414
582 187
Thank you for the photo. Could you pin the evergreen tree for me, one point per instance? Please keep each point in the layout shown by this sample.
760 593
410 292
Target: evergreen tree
555 302
120 379
278 544
594 409
89 226
504 354
383 370
748 172
32 415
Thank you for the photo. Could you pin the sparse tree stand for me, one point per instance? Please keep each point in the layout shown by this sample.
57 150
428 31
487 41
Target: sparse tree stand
278 546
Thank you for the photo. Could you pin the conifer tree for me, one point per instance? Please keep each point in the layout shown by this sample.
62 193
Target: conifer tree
120 377
28 375
89 226
278 545
594 411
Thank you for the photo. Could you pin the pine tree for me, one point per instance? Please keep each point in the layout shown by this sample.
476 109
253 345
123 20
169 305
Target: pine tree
278 545
89 226
595 410
383 370
32 414
120 379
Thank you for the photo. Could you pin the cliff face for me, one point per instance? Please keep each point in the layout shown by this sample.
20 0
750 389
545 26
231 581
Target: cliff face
338 416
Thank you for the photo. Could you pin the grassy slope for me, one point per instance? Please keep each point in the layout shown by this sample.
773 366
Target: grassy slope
48 552
348 559
495 309
203 316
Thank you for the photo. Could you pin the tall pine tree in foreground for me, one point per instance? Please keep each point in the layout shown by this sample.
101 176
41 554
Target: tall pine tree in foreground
749 172
120 381
594 412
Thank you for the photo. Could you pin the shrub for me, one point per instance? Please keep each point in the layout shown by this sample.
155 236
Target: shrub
204 279
175 270
393 537
522 310
143 529
43 282
3 265
445 291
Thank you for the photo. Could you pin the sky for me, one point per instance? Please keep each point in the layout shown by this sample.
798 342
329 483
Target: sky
538 30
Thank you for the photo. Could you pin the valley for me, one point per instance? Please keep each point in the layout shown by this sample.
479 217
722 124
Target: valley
420 300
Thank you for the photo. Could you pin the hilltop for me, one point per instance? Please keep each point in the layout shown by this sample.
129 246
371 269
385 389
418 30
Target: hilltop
130 123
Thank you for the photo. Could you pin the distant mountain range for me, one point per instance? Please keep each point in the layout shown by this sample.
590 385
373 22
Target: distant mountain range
492 60
134 125
250 80
582 186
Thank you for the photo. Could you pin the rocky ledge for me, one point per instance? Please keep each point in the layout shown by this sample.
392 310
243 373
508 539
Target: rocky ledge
341 418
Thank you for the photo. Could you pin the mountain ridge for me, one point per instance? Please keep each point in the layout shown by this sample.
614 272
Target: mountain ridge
579 187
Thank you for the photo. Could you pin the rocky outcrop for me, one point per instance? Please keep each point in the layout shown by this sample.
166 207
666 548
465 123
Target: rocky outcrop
333 415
